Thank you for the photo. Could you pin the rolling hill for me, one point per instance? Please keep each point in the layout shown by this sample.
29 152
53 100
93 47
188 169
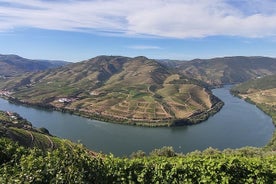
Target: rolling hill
225 70
114 88
13 65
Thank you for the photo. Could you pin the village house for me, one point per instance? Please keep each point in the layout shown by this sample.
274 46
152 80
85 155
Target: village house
5 93
64 100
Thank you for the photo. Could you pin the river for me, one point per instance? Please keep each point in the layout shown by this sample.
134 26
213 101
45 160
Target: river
238 124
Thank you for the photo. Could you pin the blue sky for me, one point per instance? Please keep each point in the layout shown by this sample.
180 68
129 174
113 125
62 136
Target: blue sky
74 30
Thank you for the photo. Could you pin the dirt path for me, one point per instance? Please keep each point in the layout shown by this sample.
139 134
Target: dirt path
32 137
168 115
69 145
151 92
51 142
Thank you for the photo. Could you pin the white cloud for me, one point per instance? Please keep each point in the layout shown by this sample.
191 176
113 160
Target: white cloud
161 18
144 47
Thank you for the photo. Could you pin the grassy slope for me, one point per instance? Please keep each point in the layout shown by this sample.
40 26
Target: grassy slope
261 92
130 90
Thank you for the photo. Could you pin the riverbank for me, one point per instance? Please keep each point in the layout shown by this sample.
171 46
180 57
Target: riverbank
193 119
236 125
267 109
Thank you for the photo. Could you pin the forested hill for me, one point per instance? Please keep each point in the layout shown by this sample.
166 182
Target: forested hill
225 70
13 65
116 88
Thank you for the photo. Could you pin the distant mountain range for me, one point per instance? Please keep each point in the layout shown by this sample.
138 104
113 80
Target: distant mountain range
215 71
225 70
13 65
130 90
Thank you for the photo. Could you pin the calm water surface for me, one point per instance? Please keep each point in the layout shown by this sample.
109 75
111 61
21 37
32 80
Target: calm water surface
238 124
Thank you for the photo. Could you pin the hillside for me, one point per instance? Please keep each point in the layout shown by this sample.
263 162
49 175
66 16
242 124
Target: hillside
226 70
264 83
13 65
14 127
118 89
261 92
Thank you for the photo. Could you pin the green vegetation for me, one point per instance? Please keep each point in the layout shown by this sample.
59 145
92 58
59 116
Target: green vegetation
136 91
77 165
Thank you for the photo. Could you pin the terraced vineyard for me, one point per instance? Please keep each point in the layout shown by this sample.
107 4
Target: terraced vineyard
136 91
168 102
20 130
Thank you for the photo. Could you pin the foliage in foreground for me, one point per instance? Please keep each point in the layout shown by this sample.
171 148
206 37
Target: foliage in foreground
77 165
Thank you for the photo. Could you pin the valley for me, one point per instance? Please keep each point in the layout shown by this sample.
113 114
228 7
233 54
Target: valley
146 92
136 91
39 161
236 125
